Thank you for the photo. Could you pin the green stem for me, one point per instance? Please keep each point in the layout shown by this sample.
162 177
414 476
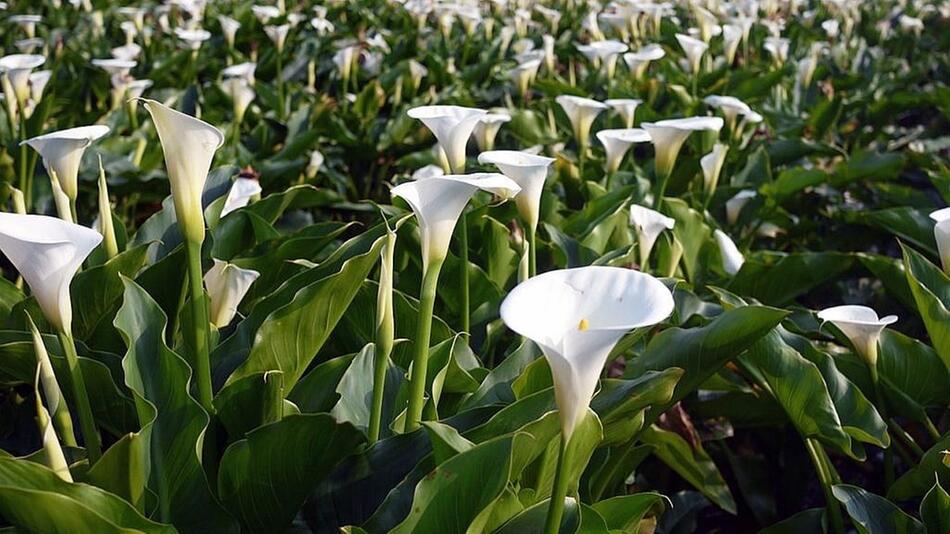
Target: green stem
882 408
660 191
26 181
463 255
931 429
200 327
87 422
834 512
379 382
558 492
420 358
532 252
280 86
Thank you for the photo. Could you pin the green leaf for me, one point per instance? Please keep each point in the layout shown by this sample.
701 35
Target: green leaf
867 165
692 232
915 371
37 500
776 278
873 514
625 512
96 292
355 389
172 421
446 441
123 471
935 509
909 224
702 351
264 479
931 290
811 520
919 479
692 463
532 519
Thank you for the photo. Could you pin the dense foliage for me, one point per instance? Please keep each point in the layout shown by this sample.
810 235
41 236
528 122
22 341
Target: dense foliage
657 280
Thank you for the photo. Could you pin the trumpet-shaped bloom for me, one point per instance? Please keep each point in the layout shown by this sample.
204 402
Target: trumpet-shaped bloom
669 135
694 49
523 74
731 37
577 316
712 166
730 106
529 171
735 204
229 27
637 62
626 108
278 35
617 142
777 47
487 129
62 153
115 66
47 252
649 224
451 126
942 236
581 112
438 202
18 67
189 145
241 70
241 193
227 284
732 259
193 38
417 71
605 52
861 325
241 94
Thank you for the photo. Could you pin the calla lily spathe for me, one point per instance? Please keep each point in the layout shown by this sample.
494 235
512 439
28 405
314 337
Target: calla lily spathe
577 316
732 259
669 135
941 219
637 62
617 142
861 325
487 128
189 145
529 171
62 153
626 108
694 50
438 202
241 94
227 284
581 112
712 166
17 68
47 252
648 224
243 190
451 126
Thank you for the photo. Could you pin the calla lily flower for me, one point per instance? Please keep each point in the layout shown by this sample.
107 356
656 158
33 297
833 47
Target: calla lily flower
417 71
314 165
229 27
241 95
861 325
731 37
735 204
265 13
529 171
129 52
451 126
47 252
438 202
732 259
241 70
626 108
27 46
577 316
227 284
708 23
777 47
694 49
193 38
428 171
712 166
581 112
487 129
730 106
278 35
114 66
550 58
637 62
649 224
605 53
942 236
189 145
18 67
322 25
242 192
523 74
135 88
62 153
669 135
617 142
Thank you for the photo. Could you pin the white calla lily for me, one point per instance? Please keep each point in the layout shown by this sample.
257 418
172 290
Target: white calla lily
243 190
648 224
730 106
732 259
731 37
712 166
941 219
487 128
735 204
637 62
604 53
229 27
626 108
438 202
47 252
616 143
694 50
241 94
861 325
227 284
451 126
581 112
189 145
577 316
240 70
62 153
278 35
524 74
669 135
529 171
17 68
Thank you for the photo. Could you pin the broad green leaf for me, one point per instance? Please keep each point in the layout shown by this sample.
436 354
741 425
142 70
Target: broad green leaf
935 509
777 278
123 470
532 519
173 423
691 231
251 402
915 371
625 512
920 478
931 289
264 479
96 292
446 441
811 520
316 391
908 224
355 389
873 514
35 499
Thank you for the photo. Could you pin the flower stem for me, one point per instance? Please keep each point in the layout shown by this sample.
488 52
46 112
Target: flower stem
888 452
532 252
199 326
26 180
420 358
558 492
660 191
87 423
463 255
280 85
834 512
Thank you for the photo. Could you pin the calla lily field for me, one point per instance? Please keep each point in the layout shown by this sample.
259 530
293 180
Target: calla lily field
474 266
